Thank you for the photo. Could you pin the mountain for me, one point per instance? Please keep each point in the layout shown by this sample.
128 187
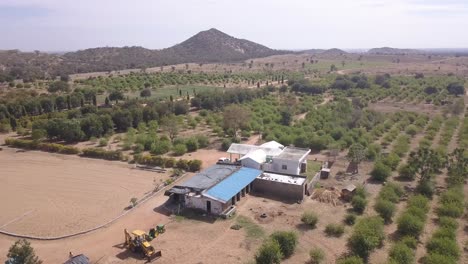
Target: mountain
393 51
215 46
205 47
312 51
334 52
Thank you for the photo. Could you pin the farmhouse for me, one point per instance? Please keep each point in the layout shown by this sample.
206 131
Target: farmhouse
215 189
269 169
271 157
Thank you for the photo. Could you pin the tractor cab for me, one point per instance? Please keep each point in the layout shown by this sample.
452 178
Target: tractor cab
137 241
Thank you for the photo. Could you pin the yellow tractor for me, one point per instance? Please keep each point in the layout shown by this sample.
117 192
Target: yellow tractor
137 241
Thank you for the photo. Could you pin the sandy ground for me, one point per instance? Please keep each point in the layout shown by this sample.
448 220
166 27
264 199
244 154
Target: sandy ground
52 194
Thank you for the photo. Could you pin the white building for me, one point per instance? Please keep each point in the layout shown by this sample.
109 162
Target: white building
272 157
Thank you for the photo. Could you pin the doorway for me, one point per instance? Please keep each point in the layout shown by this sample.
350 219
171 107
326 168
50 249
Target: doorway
208 206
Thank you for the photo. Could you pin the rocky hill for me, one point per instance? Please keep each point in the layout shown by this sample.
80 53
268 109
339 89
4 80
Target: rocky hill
205 47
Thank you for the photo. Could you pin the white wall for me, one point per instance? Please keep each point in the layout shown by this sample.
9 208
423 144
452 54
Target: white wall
250 163
199 202
292 166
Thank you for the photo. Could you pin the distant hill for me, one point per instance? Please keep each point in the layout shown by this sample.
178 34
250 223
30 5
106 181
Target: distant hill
334 52
393 51
205 47
325 52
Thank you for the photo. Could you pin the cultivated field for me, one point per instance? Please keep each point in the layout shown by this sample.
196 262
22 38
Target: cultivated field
51 195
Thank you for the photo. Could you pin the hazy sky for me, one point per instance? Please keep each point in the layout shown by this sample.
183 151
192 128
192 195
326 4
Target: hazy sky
62 25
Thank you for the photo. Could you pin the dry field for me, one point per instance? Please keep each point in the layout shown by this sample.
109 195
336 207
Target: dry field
46 194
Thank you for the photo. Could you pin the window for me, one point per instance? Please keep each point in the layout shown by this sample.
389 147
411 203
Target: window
284 167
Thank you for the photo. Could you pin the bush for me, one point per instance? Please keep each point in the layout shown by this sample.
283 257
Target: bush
350 260
368 235
350 219
426 188
391 192
448 222
103 142
191 144
160 147
409 241
194 165
317 256
407 172
386 209
380 172
400 253
287 241
203 141
310 219
269 253
335 230
102 154
411 130
169 163
226 144
392 160
409 224
359 204
179 149
435 258
444 246
445 232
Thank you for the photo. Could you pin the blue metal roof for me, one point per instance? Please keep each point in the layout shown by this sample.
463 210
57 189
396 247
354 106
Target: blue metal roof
233 184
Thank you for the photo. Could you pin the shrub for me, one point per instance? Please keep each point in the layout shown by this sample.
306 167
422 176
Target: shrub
160 147
269 253
448 222
182 164
287 241
444 246
102 154
191 144
350 219
409 241
435 258
391 160
335 230
380 172
451 203
203 141
411 130
410 225
359 204
310 219
350 260
445 232
368 234
179 149
391 192
386 209
317 256
103 142
426 188
407 172
194 165
401 253
169 163
226 144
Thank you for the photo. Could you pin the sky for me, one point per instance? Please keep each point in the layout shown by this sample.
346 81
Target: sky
66 25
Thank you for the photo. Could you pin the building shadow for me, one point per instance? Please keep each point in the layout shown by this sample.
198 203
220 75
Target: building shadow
275 198
172 208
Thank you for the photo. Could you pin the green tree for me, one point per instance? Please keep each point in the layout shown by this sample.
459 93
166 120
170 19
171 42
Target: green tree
21 252
269 253
287 241
235 117
368 235
356 154
145 93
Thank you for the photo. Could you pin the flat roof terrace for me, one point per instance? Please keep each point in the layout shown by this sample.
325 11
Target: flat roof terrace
292 153
287 179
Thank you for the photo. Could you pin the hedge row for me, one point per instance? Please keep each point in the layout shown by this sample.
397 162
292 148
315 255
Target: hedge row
443 247
411 222
34 145
187 165
99 153
388 196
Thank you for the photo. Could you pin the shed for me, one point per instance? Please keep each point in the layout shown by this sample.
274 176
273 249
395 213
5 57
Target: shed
78 259
272 144
348 192
324 173
254 159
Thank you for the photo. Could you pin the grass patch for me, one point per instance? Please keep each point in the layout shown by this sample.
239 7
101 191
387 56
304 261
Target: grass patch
312 168
252 230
